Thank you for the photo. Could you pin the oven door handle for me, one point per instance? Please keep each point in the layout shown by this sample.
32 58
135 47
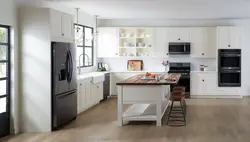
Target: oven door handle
230 71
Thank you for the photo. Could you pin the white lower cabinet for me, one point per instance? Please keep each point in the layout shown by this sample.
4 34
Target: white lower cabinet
88 94
97 93
204 83
229 91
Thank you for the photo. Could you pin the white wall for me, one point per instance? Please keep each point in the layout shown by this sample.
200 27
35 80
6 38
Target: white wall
155 64
245 23
35 56
8 17
173 23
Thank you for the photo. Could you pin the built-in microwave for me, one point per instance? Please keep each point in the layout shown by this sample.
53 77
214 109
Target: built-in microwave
177 48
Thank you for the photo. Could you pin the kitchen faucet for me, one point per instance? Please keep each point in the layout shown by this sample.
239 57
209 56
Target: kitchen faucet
79 61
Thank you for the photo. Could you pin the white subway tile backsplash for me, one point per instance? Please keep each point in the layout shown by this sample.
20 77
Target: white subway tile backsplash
155 64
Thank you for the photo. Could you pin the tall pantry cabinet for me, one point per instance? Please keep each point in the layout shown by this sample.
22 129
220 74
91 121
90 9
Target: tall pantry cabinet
38 28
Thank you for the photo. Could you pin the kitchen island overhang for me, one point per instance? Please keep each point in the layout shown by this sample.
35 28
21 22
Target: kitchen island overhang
149 98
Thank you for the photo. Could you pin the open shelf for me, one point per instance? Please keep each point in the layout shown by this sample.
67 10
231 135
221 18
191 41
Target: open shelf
146 112
139 39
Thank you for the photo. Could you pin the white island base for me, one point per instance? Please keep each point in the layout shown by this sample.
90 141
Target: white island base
149 103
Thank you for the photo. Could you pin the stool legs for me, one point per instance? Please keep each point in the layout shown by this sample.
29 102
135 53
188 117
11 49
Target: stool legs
171 107
175 111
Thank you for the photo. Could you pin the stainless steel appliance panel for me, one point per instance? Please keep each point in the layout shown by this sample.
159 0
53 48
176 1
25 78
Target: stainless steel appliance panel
60 68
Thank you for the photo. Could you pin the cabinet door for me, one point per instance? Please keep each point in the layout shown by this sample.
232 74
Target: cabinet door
179 34
107 42
67 26
81 97
194 87
235 37
211 48
56 23
223 37
198 37
87 103
100 92
203 42
161 40
208 84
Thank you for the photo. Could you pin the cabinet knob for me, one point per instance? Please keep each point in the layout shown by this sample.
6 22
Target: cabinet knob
62 34
97 86
229 45
203 54
203 80
179 39
80 84
166 53
116 53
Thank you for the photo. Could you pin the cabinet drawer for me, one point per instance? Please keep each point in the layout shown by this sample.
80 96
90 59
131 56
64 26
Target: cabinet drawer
228 91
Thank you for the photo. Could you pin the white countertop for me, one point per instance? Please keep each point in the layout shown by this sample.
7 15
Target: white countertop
203 71
91 74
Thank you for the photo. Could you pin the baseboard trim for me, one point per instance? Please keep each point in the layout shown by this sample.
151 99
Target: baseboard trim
216 97
112 96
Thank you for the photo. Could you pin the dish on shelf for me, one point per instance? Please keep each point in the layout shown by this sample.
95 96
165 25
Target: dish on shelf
122 35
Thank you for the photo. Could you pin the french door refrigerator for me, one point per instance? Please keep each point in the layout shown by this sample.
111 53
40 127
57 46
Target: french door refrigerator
64 84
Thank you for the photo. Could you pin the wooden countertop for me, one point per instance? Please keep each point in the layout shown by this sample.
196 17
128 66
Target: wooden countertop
165 79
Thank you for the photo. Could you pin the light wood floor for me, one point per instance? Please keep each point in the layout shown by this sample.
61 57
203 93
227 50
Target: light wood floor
208 120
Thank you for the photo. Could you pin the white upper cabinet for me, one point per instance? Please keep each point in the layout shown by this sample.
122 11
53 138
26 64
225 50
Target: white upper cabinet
179 34
68 26
229 37
203 42
61 26
56 21
107 42
161 41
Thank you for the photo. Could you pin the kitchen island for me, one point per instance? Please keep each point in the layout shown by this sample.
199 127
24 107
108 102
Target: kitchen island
149 98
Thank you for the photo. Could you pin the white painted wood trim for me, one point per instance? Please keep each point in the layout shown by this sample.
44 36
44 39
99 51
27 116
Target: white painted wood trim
216 96
120 106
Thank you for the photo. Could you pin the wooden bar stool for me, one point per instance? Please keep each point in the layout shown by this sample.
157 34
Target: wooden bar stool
177 96
183 90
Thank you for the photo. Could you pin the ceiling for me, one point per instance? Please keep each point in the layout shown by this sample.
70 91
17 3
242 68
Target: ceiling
162 9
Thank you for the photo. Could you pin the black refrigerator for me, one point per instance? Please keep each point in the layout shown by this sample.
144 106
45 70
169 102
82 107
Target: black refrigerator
64 84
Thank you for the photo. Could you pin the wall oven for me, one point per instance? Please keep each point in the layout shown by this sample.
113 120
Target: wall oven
229 78
229 67
177 48
229 59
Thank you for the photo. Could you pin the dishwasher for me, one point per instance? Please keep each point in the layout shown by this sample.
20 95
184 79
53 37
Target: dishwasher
106 86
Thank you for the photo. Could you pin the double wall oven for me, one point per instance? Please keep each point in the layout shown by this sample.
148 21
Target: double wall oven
229 67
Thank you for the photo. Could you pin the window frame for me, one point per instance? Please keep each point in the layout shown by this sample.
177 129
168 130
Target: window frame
7 61
83 47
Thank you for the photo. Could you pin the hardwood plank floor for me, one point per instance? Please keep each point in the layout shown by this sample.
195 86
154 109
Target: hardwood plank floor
208 120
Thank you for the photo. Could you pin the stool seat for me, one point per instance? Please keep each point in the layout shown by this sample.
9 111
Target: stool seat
177 96
179 88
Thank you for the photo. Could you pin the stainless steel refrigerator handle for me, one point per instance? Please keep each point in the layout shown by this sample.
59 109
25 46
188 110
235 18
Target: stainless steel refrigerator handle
67 65
71 66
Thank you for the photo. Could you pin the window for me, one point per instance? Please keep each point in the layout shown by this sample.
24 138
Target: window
4 80
84 45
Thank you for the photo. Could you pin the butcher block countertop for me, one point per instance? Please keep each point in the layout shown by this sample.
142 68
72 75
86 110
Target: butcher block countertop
165 79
